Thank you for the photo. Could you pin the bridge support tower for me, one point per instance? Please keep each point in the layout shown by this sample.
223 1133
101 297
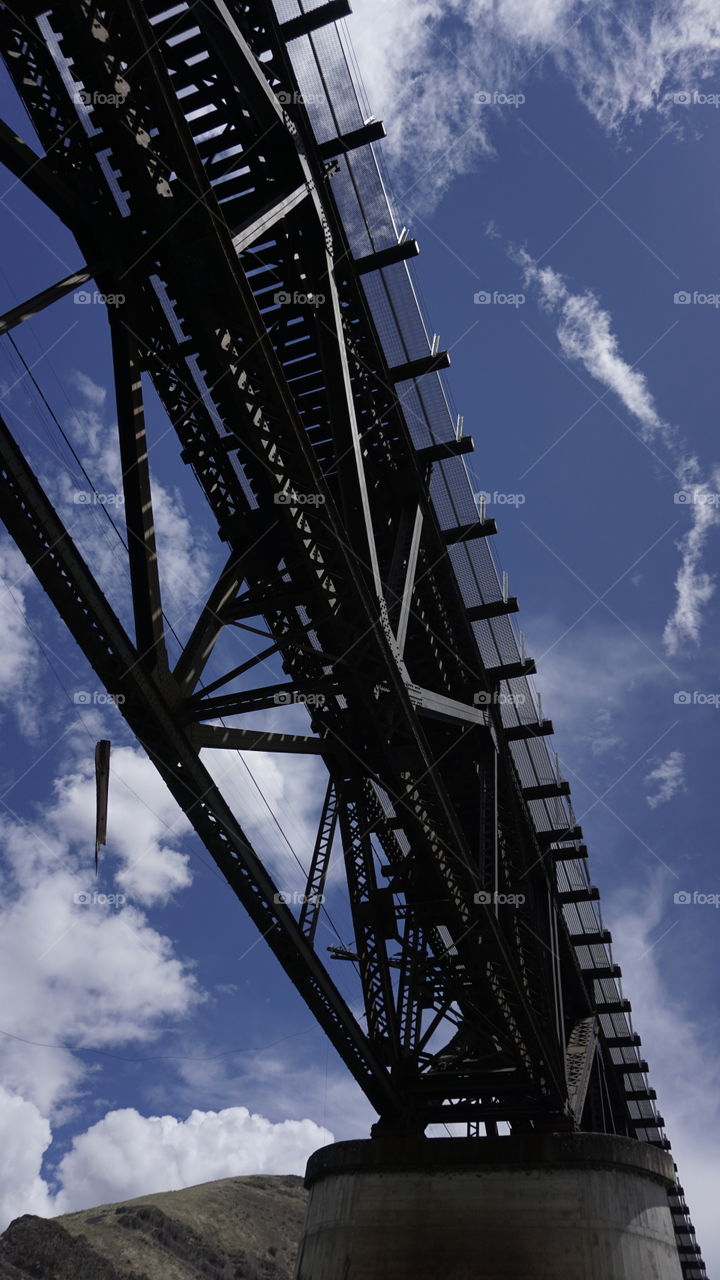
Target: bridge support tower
530 1207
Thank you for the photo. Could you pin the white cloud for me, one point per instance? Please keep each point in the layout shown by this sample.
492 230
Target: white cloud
667 779
25 1135
144 823
681 1052
423 68
126 1154
20 651
693 586
585 334
85 973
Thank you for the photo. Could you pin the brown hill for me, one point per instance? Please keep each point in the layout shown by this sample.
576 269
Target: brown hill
235 1229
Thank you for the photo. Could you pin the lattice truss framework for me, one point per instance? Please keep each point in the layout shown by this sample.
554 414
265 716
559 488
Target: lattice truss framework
178 151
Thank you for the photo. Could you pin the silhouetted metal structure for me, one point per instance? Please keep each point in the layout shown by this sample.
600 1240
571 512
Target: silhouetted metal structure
215 167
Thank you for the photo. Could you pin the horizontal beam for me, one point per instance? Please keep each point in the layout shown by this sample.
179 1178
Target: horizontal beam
217 736
494 609
639 1068
418 368
600 972
521 732
446 449
389 257
374 131
306 23
628 1041
647 1122
642 1095
547 791
567 853
511 670
600 938
613 1006
558 835
468 532
588 893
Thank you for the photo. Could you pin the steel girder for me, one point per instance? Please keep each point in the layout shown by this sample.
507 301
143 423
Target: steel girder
196 191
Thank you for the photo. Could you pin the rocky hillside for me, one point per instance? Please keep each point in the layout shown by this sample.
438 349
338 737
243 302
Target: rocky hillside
235 1229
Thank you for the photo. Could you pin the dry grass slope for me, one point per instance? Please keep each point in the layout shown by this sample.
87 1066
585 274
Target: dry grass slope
236 1229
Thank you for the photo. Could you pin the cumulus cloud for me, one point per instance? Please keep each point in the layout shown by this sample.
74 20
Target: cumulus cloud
667 779
77 970
681 1051
127 1154
423 75
585 334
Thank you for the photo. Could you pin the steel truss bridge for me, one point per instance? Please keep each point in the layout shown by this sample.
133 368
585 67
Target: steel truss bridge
214 163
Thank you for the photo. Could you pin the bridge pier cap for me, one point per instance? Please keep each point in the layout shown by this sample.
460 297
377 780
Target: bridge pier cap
529 1207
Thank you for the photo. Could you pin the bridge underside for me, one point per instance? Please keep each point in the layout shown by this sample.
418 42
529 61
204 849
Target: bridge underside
248 289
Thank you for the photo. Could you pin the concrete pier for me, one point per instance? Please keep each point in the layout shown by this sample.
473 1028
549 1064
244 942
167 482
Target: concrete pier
536 1207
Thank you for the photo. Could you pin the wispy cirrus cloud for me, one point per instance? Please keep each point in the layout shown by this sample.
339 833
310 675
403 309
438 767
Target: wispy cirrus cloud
667 779
585 334
424 66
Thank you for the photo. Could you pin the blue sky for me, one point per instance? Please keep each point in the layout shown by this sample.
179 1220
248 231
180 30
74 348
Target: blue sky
592 404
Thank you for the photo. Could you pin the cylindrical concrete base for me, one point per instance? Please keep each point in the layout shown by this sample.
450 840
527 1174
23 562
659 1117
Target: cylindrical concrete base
536 1207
